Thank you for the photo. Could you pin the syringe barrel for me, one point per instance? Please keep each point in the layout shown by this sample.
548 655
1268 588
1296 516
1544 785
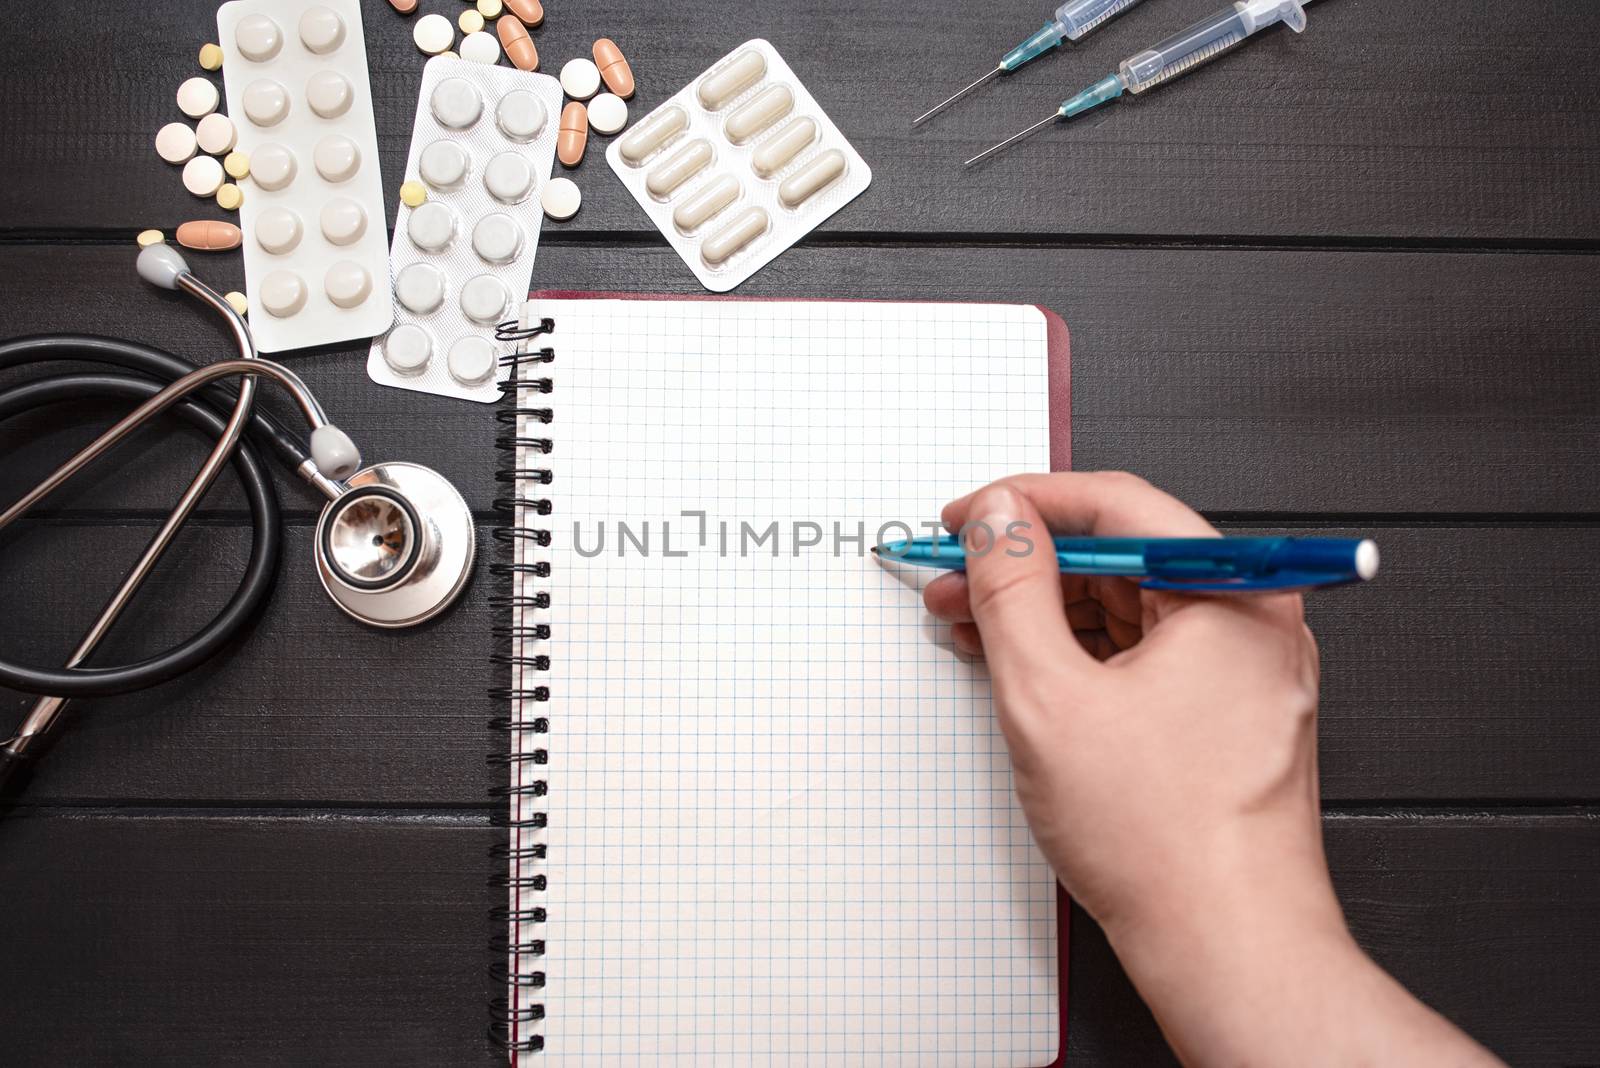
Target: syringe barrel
1208 39
1078 17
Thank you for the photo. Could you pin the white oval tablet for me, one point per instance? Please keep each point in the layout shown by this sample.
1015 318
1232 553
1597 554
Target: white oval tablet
471 360
481 47
443 165
521 115
456 103
283 293
347 284
580 78
257 38
321 30
278 230
776 152
407 349
497 238
739 74
433 34
652 133
216 135
484 299
266 103
419 287
705 202
432 226
175 142
336 158
678 168
272 166
202 176
758 113
328 94
343 221
197 97
508 177
560 198
745 227
608 113
814 176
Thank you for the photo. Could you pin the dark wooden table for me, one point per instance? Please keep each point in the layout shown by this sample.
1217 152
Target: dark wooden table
1338 282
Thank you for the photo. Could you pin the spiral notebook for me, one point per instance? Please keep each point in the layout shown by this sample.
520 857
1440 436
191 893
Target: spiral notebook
760 812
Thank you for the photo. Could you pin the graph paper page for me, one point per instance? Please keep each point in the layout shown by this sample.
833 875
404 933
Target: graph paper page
781 827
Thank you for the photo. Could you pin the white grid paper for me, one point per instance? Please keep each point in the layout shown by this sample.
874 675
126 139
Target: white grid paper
781 821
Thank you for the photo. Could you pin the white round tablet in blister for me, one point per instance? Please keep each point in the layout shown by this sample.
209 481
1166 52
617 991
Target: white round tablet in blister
258 38
336 158
521 115
321 30
266 103
497 238
419 287
480 47
471 360
456 103
283 293
484 299
580 78
347 283
432 226
407 349
343 221
443 165
278 230
272 166
508 177
328 94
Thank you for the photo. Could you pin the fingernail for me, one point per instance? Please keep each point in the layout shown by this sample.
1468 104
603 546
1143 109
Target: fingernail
992 511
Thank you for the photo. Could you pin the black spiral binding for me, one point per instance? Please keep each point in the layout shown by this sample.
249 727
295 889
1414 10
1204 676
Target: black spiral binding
512 1026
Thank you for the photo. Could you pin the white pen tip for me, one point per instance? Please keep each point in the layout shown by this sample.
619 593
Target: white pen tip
1367 559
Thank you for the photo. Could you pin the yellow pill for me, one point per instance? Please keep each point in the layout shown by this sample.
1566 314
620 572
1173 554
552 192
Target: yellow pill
237 164
237 302
147 238
471 21
412 194
229 197
211 57
490 9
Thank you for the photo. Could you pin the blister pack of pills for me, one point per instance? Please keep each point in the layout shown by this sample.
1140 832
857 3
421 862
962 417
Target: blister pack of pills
462 259
740 164
316 254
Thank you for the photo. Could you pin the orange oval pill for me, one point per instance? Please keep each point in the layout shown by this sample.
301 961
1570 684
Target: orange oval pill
518 45
210 235
613 67
531 12
574 133
405 7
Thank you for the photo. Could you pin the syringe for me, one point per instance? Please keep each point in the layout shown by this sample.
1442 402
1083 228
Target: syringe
1178 54
1072 20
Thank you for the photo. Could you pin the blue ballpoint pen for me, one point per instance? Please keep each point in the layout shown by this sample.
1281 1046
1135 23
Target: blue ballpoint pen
1190 565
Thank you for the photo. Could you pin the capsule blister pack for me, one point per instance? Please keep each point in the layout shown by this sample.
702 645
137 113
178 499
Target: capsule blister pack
737 166
315 251
481 147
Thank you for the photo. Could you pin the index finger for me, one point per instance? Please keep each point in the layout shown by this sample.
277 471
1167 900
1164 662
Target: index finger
1110 504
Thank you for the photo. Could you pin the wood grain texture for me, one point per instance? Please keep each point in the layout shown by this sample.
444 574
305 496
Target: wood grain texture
353 940
1471 126
1365 382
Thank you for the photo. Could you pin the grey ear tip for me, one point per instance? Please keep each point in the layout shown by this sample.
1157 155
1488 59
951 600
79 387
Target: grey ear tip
162 265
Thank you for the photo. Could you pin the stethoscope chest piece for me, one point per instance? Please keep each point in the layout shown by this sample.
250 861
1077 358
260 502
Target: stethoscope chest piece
397 547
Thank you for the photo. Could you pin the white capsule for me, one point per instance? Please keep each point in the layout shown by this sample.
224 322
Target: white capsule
706 202
748 225
777 151
739 74
758 113
808 180
652 133
678 168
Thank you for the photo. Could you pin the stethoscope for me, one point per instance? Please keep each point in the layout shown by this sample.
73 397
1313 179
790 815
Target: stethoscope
394 544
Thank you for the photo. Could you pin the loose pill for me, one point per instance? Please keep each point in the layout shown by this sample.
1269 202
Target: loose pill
678 168
407 349
471 360
777 151
652 133
273 167
484 299
413 194
343 221
740 73
748 225
266 103
257 38
470 21
515 40
202 176
405 7
278 230
456 103
216 135
706 202
530 12
336 158
497 238
805 182
237 301
197 97
210 57
613 67
481 47
229 196
347 284
521 115
508 177
574 134
443 165
209 235
580 78
560 198
433 34
432 227
147 238
175 142
758 113
419 287
283 293
237 164
328 94
608 113
490 9
321 30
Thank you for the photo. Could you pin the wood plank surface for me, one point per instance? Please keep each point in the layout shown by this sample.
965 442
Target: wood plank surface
1392 119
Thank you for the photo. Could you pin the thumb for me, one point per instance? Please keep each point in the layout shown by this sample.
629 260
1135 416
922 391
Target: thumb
1015 588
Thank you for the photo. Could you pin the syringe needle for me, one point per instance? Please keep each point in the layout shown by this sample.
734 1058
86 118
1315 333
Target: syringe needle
1013 139
925 116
